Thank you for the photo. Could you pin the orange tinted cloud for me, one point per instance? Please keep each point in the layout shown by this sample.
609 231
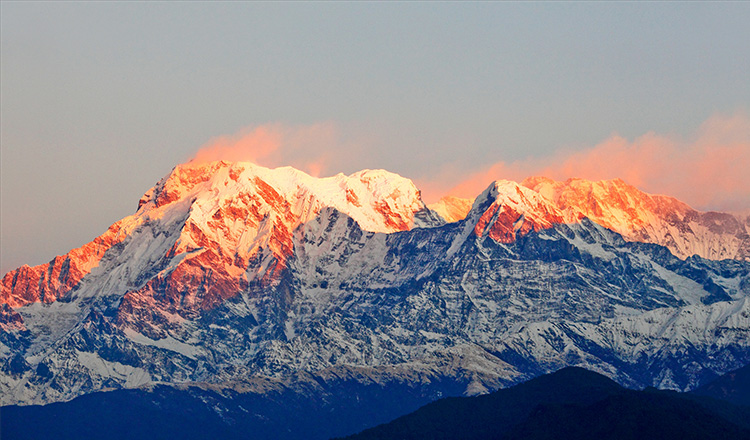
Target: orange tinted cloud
305 147
254 145
709 171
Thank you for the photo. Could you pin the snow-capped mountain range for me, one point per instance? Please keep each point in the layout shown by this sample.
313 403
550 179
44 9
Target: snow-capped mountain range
230 271
635 215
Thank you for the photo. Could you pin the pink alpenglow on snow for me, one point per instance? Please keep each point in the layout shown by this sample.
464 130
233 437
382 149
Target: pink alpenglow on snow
213 219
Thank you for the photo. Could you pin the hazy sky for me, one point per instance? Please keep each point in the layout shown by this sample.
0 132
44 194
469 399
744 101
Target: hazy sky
100 99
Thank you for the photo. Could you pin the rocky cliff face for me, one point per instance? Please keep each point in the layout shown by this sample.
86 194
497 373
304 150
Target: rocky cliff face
229 271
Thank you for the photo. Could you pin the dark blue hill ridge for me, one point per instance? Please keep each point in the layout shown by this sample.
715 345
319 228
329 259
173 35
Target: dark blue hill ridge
571 403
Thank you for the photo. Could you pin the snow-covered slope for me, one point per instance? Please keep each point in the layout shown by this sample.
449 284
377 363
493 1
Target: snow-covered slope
452 208
649 218
233 271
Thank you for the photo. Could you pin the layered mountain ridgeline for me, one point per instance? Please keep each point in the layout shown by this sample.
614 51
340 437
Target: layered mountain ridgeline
570 404
230 271
635 215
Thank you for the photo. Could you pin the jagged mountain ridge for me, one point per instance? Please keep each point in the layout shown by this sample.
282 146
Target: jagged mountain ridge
636 215
221 280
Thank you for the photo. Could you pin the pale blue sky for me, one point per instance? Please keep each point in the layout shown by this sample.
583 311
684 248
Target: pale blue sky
100 99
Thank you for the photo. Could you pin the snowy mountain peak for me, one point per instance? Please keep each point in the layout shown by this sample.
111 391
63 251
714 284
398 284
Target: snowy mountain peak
378 200
506 210
636 215
219 216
